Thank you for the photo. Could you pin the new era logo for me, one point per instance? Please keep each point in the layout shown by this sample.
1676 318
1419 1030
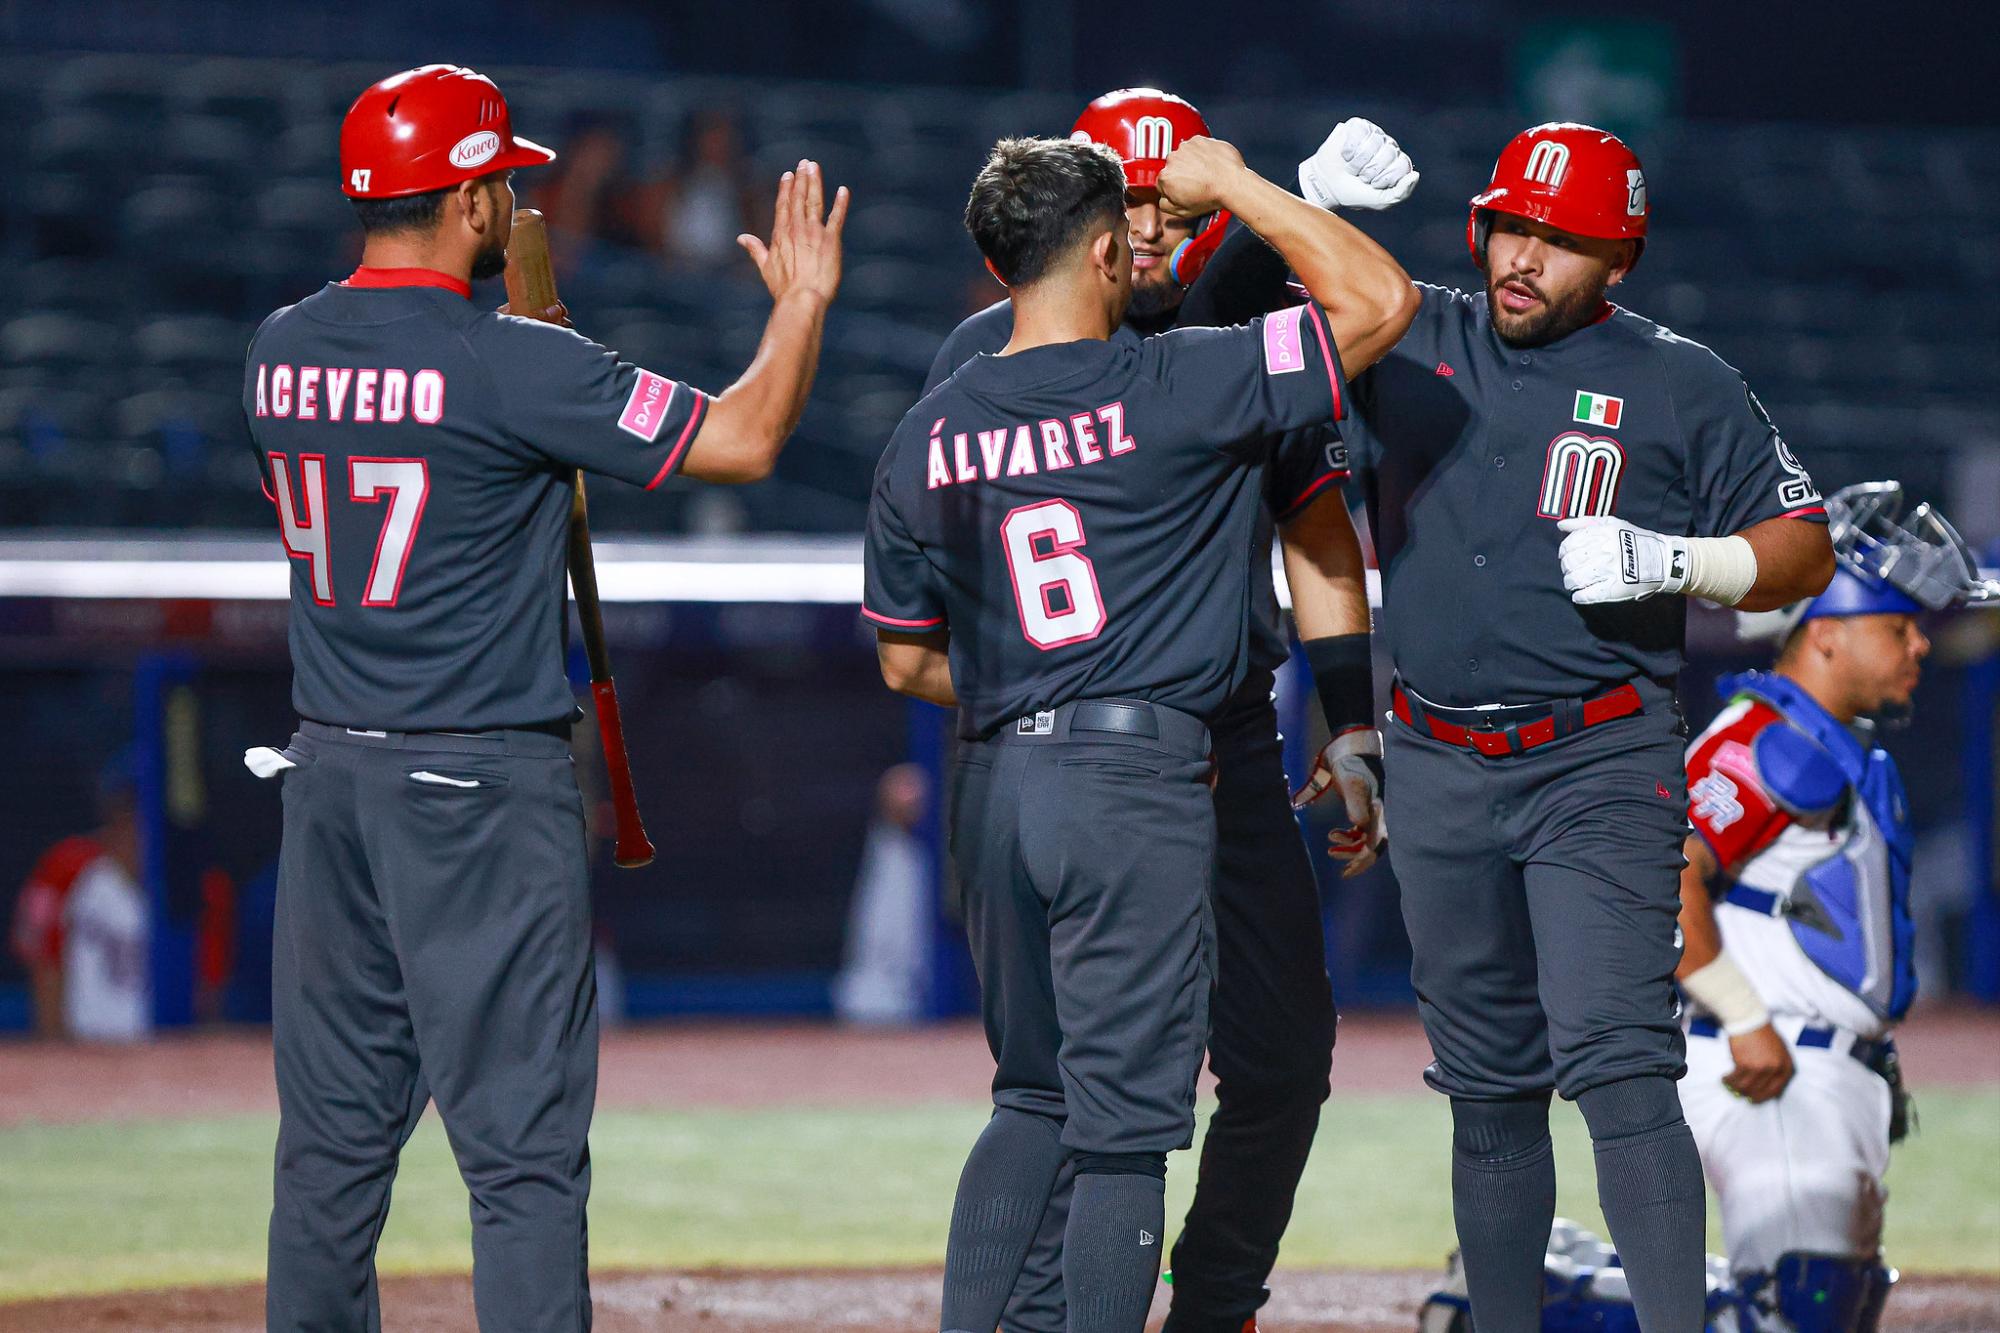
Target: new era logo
1145 1238
1444 369
1041 724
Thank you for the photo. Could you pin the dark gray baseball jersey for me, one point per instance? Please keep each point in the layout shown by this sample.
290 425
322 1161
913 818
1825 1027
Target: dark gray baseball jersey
1079 515
420 454
1469 451
1304 465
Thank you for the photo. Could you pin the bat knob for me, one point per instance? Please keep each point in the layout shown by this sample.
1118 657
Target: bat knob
630 856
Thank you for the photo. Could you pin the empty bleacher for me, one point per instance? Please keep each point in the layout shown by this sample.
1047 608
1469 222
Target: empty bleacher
159 208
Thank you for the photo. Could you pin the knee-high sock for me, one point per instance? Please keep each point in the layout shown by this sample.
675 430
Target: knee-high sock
1001 1195
1111 1250
1503 1199
1649 1185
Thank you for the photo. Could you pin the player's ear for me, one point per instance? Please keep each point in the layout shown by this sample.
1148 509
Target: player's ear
1104 253
1628 256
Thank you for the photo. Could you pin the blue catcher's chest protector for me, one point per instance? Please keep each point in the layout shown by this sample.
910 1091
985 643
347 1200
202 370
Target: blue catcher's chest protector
1851 912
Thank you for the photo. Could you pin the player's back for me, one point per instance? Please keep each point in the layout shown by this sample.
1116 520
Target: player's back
1079 515
418 453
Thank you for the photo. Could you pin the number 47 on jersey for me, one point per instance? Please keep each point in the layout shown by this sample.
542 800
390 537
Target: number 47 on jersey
302 518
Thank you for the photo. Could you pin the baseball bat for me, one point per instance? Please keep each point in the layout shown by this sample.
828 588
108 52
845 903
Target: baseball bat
531 290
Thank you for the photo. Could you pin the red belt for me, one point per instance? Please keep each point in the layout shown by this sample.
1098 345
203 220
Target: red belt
1525 727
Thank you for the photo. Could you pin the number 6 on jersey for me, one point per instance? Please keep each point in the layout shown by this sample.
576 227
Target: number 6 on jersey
1055 585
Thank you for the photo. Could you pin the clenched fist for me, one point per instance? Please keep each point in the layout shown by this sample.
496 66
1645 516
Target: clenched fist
1359 166
1197 176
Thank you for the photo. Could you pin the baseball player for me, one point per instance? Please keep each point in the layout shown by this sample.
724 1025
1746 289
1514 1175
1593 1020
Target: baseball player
1795 909
1272 1013
433 931
1547 476
1059 544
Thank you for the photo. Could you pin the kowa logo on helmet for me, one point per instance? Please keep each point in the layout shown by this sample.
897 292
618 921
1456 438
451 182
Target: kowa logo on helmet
475 149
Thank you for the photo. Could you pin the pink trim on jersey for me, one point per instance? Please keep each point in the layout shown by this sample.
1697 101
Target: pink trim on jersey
1318 318
1807 512
695 415
880 619
1309 492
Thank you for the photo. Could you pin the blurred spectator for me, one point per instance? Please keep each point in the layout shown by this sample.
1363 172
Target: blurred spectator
82 927
698 209
885 969
582 200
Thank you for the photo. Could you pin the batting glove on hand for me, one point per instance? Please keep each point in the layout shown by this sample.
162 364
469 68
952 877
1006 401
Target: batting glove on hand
1350 763
1609 560
1359 166
1361 847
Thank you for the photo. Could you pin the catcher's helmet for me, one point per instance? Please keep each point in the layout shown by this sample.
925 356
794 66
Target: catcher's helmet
1575 178
427 129
1889 563
1141 125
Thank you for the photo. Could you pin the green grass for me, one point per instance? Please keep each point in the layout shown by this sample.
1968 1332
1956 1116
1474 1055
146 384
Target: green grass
148 1203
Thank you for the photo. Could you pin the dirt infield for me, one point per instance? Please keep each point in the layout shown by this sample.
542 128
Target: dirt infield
887 1302
742 1065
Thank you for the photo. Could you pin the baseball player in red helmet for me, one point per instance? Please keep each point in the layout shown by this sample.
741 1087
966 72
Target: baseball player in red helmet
1547 476
432 936
1272 1015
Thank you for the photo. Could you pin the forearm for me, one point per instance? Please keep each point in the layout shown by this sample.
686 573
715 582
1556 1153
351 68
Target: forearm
1368 298
1706 972
45 984
1701 942
748 422
917 665
1324 568
1794 562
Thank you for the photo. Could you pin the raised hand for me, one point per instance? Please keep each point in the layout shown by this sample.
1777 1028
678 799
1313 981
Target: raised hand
1197 177
803 254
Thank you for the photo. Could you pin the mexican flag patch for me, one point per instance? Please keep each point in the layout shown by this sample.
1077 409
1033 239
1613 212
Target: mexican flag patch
1598 409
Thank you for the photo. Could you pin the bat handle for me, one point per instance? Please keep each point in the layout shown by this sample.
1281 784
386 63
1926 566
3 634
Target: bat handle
633 847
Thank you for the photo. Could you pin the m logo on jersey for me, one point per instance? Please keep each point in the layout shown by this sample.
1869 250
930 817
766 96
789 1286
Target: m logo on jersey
1152 136
1580 478
1548 163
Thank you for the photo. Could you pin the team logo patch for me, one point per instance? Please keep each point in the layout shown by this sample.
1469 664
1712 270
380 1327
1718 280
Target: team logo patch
1598 409
1715 801
646 410
1580 476
475 148
1284 350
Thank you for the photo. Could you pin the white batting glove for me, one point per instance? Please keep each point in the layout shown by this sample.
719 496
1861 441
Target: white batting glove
1351 764
1360 847
1609 560
1359 166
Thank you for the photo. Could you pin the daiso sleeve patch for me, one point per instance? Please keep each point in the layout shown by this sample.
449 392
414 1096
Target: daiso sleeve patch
1284 350
646 410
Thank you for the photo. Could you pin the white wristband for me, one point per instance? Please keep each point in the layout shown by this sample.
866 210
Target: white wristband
1719 569
1721 988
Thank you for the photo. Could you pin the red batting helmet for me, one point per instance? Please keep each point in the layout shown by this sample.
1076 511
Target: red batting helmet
1141 125
1575 178
427 129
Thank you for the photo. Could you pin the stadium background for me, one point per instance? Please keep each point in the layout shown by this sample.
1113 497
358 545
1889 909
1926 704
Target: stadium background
1824 197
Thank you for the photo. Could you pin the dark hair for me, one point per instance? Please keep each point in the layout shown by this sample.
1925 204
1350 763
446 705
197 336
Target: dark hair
410 212
1035 198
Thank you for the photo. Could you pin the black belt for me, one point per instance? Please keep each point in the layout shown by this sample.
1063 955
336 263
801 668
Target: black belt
538 738
1135 718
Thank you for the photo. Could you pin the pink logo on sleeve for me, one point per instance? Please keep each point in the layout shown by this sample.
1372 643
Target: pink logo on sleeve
1283 351
646 410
